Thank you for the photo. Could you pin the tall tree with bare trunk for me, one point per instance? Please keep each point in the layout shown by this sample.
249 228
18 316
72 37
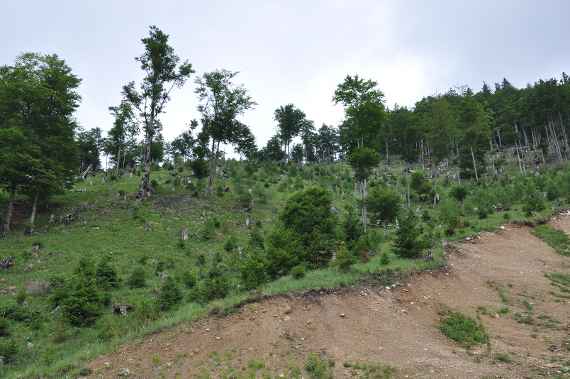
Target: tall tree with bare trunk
163 72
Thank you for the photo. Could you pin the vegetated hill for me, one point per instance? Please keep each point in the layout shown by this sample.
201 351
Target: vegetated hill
494 312
98 251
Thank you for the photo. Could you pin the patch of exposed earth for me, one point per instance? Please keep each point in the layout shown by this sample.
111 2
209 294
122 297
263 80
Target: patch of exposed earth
497 277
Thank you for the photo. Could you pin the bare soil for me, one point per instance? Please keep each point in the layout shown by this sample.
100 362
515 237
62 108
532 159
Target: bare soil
396 326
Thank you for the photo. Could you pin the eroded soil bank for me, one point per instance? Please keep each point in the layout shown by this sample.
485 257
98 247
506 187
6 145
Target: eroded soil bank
499 277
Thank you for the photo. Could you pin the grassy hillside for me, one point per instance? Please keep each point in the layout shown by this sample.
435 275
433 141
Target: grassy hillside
108 225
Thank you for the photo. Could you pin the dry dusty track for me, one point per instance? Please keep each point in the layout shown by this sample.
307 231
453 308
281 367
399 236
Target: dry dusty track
397 327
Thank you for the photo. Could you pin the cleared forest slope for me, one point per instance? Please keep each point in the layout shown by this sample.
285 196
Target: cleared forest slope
501 278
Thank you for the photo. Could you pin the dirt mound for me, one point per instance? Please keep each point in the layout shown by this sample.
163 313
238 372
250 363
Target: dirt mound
498 277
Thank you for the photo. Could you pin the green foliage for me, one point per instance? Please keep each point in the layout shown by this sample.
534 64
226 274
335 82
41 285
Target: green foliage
169 295
21 296
214 284
408 242
200 168
298 272
384 204
371 370
463 329
555 238
363 160
449 216
307 231
4 327
253 269
83 303
482 203
8 350
105 275
351 227
503 358
318 367
189 279
459 193
290 120
38 96
209 228
344 259
163 71
137 279
421 186
385 259
533 202
230 244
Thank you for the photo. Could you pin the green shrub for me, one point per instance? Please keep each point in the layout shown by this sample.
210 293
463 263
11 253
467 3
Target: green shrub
481 203
351 227
344 259
209 229
230 244
284 251
105 275
137 279
214 284
82 302
463 329
256 240
319 367
363 248
8 351
385 259
308 217
553 191
147 310
4 327
189 279
384 204
421 186
298 272
169 295
408 242
459 193
109 327
199 168
21 296
533 202
449 216
253 269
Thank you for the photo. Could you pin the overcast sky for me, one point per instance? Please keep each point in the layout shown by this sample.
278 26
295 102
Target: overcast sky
294 51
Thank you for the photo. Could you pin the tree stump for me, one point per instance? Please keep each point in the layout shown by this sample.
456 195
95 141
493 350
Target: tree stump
184 234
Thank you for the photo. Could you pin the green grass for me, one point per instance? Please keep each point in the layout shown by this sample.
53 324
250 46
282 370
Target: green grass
561 282
463 329
145 236
319 367
503 358
367 370
555 238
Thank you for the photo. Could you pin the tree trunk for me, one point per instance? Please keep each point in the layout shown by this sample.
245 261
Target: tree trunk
474 165
363 194
10 211
213 166
34 212
145 189
118 163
